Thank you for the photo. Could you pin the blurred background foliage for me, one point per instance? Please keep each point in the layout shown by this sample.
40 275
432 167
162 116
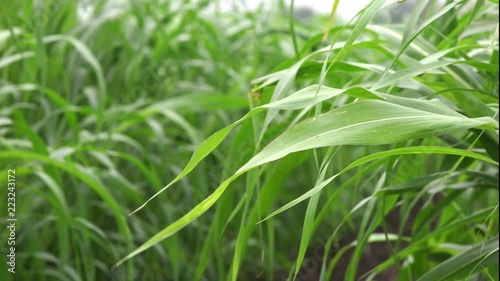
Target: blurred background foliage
104 102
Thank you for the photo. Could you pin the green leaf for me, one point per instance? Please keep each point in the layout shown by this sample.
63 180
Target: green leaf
5 61
369 122
304 98
465 263
377 156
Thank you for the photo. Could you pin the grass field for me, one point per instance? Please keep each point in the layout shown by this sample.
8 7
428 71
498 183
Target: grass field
173 140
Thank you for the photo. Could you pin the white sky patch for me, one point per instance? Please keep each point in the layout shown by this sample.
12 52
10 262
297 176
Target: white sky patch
346 9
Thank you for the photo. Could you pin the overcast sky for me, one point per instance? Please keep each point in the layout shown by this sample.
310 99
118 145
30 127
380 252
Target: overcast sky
346 8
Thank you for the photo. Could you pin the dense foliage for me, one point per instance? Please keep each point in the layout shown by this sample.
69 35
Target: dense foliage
175 140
